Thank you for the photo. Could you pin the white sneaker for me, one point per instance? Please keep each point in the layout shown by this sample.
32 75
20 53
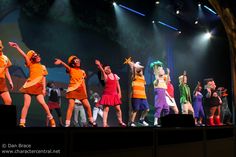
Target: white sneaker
132 125
143 123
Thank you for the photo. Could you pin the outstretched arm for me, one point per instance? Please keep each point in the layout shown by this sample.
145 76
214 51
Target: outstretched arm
16 46
58 62
98 63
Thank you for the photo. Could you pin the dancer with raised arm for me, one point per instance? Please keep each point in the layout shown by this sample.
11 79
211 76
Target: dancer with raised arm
35 85
111 94
76 88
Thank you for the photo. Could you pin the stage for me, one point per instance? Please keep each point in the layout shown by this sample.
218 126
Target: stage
119 142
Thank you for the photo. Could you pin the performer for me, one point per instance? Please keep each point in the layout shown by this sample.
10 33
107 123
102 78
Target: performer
199 114
139 98
35 85
54 100
226 114
111 94
97 109
76 88
80 119
170 90
5 63
185 95
160 91
213 101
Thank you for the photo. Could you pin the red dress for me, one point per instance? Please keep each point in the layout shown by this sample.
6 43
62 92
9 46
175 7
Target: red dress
110 95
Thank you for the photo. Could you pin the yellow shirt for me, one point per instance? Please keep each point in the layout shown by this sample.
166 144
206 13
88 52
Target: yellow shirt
36 73
4 63
138 87
77 77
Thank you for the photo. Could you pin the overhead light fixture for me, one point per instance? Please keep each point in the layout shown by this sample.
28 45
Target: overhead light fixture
114 3
177 12
196 22
129 9
157 2
209 9
199 4
207 35
153 21
164 24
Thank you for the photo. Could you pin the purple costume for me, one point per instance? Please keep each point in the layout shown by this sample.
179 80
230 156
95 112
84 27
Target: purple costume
197 106
160 102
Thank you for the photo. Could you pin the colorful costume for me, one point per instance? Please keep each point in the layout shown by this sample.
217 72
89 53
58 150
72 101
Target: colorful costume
139 99
185 97
4 63
110 95
198 106
34 84
160 91
213 103
76 88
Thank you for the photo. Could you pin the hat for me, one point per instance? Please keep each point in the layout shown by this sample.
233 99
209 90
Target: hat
71 58
138 66
30 54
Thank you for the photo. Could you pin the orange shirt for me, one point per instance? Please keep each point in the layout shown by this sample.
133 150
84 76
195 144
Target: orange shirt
36 73
37 70
76 78
138 87
4 63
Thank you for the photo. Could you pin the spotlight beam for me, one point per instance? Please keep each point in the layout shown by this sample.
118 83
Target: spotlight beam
129 9
164 24
209 9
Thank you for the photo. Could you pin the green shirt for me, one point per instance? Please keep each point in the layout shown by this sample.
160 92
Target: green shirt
185 94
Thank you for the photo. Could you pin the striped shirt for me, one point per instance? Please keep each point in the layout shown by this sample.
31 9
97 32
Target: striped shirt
138 87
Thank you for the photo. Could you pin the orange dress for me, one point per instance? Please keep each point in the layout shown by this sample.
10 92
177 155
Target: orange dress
4 63
76 88
34 84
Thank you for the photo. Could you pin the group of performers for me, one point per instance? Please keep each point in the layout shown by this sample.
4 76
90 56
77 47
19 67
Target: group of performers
76 93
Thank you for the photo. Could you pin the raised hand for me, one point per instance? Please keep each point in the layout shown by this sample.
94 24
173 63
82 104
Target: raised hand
57 61
97 62
12 44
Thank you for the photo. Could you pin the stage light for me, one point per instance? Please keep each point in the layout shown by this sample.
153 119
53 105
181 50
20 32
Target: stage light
114 3
129 9
199 4
207 35
209 9
179 32
177 12
157 2
164 24
153 21
196 22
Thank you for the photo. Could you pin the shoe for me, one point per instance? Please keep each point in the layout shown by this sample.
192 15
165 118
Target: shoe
157 125
143 123
122 124
211 122
217 121
132 124
52 122
22 125
93 124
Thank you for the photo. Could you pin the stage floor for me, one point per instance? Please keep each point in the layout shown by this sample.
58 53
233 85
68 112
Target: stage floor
119 142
